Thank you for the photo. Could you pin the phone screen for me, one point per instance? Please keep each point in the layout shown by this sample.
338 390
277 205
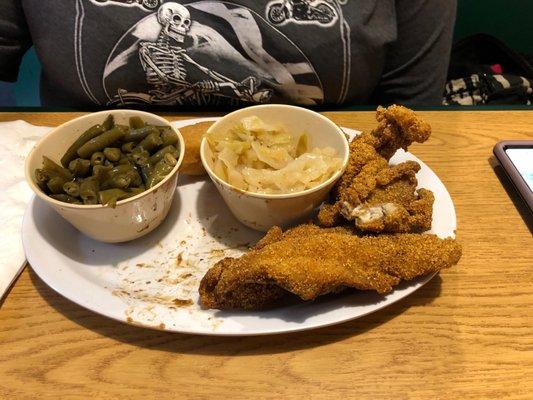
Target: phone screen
522 158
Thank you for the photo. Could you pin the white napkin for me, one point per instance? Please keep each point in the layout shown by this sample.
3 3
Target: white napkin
16 140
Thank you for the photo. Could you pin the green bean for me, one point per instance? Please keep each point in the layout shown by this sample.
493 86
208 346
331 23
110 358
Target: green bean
101 172
109 122
89 190
126 170
136 179
133 173
113 154
72 188
41 178
101 142
121 169
154 180
124 160
80 167
170 159
131 192
161 153
43 186
72 151
140 157
136 135
151 142
111 196
119 181
160 170
169 137
65 198
146 172
97 158
136 123
134 191
54 169
123 128
130 158
163 128
128 147
55 184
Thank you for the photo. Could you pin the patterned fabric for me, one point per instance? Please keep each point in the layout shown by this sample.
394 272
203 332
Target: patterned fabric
488 89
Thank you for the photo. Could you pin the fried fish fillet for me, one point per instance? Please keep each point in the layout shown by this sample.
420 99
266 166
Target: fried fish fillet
309 261
376 196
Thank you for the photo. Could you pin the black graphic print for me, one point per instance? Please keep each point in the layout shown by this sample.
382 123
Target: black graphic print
280 12
209 53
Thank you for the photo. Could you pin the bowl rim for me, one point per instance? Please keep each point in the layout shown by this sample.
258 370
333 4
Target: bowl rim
29 174
277 196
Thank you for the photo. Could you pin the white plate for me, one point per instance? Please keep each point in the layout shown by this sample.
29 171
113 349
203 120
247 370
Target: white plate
144 282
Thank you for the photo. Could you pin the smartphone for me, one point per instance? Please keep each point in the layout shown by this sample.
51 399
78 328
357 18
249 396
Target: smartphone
516 158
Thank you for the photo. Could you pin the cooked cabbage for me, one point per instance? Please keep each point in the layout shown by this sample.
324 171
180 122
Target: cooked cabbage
257 157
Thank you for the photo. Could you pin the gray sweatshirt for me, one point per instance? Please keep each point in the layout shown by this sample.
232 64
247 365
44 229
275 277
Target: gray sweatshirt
172 53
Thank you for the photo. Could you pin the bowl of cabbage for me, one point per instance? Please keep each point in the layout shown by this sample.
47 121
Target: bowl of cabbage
274 164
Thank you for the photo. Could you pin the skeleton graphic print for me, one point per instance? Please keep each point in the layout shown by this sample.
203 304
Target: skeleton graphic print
167 66
208 53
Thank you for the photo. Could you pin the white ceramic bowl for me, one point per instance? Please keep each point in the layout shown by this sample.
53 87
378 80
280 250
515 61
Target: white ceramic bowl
131 218
262 211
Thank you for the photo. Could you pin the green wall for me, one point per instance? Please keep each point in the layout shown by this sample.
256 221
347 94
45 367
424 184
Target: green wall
509 20
26 90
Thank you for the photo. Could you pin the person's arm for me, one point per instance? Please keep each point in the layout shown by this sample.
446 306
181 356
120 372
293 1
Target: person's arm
15 38
417 62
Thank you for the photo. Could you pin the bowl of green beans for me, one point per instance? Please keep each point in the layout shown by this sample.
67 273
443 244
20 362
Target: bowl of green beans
113 169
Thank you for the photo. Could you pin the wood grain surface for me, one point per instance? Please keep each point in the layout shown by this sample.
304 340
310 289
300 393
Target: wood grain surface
467 334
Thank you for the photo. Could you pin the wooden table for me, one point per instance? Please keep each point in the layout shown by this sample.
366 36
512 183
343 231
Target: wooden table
466 334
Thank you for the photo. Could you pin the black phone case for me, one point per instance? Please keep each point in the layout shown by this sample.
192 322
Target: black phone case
510 169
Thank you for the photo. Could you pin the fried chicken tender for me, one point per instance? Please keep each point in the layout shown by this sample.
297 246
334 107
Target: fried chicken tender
376 196
192 136
309 261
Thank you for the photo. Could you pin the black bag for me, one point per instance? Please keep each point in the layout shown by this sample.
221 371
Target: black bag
483 70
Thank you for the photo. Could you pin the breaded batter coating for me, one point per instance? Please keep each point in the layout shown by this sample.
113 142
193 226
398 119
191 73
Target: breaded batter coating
376 196
309 261
192 136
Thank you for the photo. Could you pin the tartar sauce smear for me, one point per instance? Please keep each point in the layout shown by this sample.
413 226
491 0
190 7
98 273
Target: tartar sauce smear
260 158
